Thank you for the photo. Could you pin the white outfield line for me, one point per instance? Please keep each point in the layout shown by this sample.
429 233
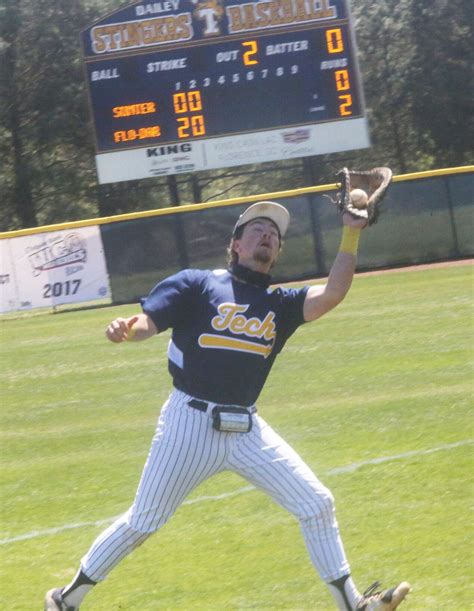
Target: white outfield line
59 529
376 461
226 495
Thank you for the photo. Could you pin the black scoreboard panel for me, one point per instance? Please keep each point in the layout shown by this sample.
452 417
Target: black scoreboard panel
258 83
239 68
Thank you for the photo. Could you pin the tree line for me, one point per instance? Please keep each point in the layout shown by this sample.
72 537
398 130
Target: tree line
416 60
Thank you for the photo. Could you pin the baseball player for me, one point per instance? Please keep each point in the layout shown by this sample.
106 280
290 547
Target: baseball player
228 326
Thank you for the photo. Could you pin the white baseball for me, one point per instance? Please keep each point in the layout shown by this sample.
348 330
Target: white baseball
359 198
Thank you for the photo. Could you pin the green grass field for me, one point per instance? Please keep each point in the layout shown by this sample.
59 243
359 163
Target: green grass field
380 408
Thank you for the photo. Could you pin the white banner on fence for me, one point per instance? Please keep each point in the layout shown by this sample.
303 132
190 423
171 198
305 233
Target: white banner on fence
8 295
49 269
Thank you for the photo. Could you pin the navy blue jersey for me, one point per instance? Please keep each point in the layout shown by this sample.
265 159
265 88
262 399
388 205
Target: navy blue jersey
226 333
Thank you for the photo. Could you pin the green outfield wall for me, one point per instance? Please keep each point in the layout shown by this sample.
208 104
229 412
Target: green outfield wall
427 217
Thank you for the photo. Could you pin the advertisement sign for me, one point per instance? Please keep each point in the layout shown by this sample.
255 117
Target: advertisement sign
8 293
56 268
229 151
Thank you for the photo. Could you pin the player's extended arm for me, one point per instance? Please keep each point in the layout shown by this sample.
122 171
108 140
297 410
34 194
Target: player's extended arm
322 298
135 328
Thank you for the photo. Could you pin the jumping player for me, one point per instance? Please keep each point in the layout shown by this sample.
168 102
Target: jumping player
227 328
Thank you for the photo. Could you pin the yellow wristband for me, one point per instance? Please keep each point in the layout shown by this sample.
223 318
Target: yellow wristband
350 240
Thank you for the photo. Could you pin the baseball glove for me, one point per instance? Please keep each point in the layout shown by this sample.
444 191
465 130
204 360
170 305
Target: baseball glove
374 182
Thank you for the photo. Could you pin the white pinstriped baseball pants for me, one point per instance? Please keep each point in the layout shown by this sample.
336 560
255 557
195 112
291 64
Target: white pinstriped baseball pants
185 451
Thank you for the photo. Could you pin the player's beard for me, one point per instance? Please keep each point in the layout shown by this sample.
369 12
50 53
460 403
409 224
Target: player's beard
263 255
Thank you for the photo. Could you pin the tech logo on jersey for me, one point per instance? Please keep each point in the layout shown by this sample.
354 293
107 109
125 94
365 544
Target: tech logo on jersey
231 318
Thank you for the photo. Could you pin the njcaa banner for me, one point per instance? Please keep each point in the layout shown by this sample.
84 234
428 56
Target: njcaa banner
50 269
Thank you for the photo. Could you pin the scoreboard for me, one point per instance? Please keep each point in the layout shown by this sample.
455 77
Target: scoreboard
183 85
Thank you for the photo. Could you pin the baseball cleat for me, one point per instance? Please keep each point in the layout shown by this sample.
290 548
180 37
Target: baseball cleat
387 600
54 601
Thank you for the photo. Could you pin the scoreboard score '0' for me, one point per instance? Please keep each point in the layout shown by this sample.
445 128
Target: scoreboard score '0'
185 85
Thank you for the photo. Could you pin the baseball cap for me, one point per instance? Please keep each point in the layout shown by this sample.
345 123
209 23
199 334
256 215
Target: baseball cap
269 210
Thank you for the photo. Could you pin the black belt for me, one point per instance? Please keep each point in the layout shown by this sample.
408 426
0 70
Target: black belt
202 406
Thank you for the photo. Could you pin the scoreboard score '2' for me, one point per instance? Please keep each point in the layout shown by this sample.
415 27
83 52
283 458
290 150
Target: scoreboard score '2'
183 85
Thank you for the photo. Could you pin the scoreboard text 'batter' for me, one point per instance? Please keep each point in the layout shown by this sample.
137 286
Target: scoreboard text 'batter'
185 85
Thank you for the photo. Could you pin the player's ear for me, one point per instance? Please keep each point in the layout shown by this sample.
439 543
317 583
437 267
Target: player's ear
235 245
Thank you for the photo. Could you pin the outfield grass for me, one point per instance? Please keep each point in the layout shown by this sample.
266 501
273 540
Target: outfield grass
78 414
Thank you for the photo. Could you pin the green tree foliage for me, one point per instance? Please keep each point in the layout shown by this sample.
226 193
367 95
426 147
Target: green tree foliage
415 56
384 37
50 166
442 78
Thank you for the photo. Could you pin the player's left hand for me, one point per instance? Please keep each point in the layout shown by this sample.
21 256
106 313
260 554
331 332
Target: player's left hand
351 221
121 329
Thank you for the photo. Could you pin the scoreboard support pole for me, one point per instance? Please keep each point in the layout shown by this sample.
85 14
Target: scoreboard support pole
178 223
308 165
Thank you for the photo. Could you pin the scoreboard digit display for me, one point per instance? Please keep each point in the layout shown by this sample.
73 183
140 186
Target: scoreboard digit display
186 85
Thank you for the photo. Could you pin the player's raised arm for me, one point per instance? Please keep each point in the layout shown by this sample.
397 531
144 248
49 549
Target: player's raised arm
359 198
135 328
323 298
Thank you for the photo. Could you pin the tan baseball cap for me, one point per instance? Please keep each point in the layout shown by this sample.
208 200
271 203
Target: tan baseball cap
269 210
